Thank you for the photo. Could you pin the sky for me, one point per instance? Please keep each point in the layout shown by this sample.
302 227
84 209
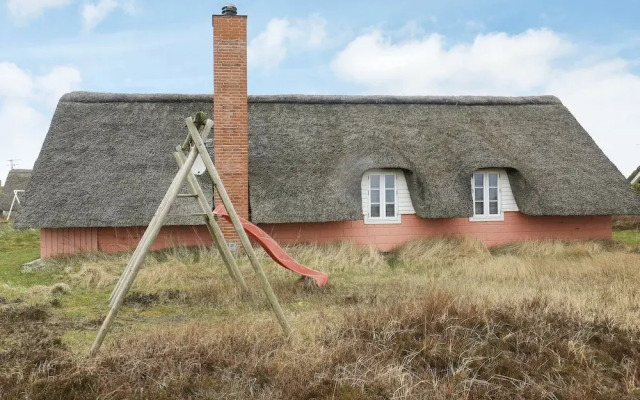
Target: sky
585 52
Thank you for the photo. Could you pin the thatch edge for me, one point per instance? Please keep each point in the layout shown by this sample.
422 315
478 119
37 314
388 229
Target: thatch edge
94 97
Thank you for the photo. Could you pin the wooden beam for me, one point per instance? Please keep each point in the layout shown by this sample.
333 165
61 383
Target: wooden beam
212 225
147 240
244 239
136 254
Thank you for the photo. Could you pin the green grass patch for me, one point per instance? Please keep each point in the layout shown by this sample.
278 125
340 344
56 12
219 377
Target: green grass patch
628 236
18 247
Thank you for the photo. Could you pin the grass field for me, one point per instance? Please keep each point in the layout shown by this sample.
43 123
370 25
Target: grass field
628 236
436 319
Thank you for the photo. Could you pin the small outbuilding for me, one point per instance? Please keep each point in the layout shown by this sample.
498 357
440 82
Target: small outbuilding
17 179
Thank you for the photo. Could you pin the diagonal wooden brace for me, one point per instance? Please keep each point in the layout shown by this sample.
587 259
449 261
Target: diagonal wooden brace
212 224
136 254
145 243
244 239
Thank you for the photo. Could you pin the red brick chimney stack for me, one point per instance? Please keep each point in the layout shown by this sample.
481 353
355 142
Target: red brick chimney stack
230 127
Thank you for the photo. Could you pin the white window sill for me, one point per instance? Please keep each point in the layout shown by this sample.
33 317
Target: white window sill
382 221
487 218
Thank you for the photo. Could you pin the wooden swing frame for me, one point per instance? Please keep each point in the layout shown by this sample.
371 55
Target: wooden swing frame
194 144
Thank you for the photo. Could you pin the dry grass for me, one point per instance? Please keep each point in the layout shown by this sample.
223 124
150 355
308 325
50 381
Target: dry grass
626 222
439 318
596 279
424 254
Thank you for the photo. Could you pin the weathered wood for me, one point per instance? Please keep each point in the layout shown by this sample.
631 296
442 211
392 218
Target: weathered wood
133 260
188 215
136 254
186 142
212 225
244 239
184 173
15 198
145 243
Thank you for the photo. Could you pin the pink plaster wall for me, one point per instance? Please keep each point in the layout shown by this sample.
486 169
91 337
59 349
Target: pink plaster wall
63 241
515 227
112 240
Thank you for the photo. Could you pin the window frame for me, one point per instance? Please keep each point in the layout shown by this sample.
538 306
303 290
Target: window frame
383 219
486 206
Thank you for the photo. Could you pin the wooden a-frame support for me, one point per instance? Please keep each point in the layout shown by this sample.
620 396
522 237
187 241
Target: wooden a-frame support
15 199
196 140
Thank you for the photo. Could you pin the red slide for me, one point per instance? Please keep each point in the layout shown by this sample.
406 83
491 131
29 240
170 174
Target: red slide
275 252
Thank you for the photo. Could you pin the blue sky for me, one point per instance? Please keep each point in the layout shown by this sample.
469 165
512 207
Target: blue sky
585 52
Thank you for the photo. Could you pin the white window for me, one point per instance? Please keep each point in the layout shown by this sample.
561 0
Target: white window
486 196
383 195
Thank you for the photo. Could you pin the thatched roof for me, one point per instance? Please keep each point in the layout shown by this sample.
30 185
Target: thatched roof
634 174
107 159
17 179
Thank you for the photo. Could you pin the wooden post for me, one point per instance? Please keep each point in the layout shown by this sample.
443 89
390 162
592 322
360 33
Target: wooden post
212 225
244 239
15 198
149 236
136 254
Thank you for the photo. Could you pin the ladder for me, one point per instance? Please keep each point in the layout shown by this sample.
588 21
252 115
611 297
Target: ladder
194 146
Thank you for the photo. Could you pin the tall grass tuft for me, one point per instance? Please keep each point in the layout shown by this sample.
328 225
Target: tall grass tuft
435 252
559 249
338 257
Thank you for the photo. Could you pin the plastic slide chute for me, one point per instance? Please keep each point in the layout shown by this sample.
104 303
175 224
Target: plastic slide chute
274 250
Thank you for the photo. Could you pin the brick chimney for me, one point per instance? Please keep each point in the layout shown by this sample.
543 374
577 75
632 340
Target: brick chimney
230 127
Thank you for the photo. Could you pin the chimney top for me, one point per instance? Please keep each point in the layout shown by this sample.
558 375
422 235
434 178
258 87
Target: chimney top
229 9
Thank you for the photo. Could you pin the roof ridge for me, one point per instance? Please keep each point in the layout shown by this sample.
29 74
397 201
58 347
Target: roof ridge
388 99
98 97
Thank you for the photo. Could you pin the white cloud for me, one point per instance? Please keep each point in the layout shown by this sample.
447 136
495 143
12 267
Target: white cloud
22 130
604 95
492 62
605 98
94 13
270 47
26 105
60 80
24 10
14 82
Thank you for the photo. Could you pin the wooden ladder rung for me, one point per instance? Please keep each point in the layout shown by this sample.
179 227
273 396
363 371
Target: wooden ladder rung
187 195
188 215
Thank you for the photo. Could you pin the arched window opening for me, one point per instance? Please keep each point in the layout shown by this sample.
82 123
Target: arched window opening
491 194
385 196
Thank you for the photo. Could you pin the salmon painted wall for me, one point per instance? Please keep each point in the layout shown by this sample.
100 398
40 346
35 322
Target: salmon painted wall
515 227
66 241
113 240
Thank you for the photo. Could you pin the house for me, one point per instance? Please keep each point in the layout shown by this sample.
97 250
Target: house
374 170
635 176
17 179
